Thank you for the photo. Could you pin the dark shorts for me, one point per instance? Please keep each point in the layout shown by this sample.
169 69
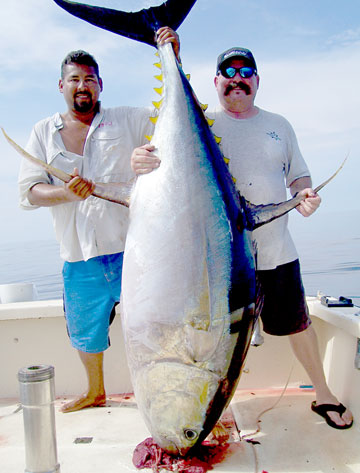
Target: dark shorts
284 309
91 292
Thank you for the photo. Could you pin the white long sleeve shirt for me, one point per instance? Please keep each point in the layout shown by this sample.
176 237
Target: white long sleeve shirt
91 227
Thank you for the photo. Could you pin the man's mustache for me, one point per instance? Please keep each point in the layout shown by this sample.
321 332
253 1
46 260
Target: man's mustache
240 85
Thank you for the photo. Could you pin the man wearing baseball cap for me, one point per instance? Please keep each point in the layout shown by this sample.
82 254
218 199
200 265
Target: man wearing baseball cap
265 159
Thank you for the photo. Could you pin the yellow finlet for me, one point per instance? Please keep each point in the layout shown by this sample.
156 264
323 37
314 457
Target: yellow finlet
159 77
159 90
158 104
233 178
227 160
157 64
188 76
203 106
210 121
153 119
157 54
217 139
148 137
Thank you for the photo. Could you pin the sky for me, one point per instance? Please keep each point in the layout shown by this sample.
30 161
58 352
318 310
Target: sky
307 52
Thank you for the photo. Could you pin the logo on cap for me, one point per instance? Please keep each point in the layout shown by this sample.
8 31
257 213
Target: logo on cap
235 52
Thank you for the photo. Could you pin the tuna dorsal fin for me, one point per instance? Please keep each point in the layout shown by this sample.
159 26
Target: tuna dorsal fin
140 25
258 215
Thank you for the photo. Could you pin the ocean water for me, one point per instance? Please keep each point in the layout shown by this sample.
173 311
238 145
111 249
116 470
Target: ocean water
329 250
328 246
36 262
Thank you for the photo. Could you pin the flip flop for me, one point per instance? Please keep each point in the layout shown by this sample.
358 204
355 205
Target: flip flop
323 410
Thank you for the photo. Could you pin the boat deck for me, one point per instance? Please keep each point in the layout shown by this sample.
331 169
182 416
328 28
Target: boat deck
292 439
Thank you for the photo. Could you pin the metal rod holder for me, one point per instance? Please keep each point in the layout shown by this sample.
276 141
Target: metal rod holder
37 396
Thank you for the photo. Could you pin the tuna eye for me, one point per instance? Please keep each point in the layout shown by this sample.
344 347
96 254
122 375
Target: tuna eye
190 434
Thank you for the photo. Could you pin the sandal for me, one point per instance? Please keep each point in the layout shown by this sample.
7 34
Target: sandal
323 410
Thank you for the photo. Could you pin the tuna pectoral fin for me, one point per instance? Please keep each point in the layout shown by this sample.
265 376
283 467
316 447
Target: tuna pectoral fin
202 344
258 215
140 25
114 192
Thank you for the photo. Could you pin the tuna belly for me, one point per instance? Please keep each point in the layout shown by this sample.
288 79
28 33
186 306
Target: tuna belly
177 262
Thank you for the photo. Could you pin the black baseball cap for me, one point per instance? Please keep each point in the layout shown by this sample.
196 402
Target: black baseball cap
231 53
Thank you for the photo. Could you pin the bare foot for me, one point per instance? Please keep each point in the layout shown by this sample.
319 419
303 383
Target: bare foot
82 402
219 434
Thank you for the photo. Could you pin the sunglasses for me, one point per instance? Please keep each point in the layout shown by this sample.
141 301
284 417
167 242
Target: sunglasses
245 72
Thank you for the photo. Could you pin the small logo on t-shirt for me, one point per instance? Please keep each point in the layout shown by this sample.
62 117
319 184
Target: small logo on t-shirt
273 135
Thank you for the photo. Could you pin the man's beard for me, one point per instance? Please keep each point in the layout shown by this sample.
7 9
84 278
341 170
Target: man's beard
240 85
84 106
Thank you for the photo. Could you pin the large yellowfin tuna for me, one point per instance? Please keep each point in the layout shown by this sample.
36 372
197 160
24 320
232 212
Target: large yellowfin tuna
188 292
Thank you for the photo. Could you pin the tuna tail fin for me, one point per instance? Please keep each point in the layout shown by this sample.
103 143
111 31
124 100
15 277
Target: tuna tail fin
140 25
258 215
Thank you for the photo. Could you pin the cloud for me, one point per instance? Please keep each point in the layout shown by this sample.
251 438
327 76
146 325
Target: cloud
34 32
317 91
347 37
37 34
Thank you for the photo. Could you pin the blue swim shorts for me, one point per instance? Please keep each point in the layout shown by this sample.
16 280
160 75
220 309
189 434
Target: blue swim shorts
91 292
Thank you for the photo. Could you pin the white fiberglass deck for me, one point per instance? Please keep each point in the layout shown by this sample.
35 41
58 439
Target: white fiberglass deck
292 438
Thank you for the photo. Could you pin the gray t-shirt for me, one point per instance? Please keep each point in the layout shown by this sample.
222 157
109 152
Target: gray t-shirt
264 158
